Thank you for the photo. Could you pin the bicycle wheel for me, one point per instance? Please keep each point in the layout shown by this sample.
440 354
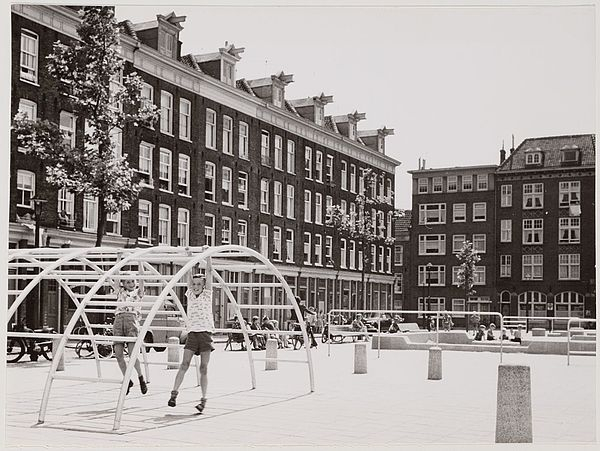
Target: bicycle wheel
84 349
15 349
46 349
337 338
105 351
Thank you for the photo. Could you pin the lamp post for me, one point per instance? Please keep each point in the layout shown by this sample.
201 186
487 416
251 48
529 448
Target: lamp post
428 275
38 205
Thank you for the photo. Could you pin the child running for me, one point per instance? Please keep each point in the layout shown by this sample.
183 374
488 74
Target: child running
126 324
200 326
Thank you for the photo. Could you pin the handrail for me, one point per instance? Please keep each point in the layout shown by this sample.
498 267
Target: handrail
578 320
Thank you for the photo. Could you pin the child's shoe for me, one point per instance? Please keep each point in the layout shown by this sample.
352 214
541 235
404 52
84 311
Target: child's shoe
143 386
173 400
200 407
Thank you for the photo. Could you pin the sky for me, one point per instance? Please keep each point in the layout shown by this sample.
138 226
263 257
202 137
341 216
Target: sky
453 82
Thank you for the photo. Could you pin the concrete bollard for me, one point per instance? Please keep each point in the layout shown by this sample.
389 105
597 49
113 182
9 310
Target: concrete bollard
61 363
435 364
513 411
173 354
271 353
360 358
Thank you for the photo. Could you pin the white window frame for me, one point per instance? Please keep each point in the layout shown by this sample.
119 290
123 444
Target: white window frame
242 190
227 186
183 175
278 153
422 185
437 276
90 214
183 227
343 253
277 198
113 224
144 159
533 196
452 184
185 119
209 229
467 183
226 230
165 176
329 168
210 139
290 198
479 211
437 186
210 181
166 112
265 152
307 248
66 203
569 230
569 267
318 208
29 56
318 245
479 242
319 166
68 126
289 245
569 193
144 220
432 244
506 266
308 169
277 251
344 176
352 178
458 242
307 205
506 196
479 275
399 254
328 251
533 231
432 214
243 140
29 109
264 195
532 267
291 157
242 232
23 187
352 254
456 210
227 135
506 230
482 182
164 225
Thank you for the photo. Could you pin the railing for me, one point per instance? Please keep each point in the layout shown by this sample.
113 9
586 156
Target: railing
527 320
569 352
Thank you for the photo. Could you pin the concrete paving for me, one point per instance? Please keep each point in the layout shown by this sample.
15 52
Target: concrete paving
393 404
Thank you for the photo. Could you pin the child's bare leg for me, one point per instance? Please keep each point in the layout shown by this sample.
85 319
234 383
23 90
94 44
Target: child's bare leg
204 359
137 366
120 357
185 364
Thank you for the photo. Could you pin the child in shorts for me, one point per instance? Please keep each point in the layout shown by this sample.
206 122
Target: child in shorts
200 326
126 324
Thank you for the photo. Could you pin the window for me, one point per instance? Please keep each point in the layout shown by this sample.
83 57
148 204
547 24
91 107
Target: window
166 43
506 196
289 245
308 163
210 139
290 201
318 250
278 152
452 183
479 275
144 220
227 186
277 243
209 182
373 258
145 163
458 242
307 253
432 213
319 166
482 182
90 213
459 212
264 195
479 243
29 109
505 265
183 227
533 158
381 256
388 259
328 251
329 168
437 185
389 192
166 112
291 157
243 141
67 127
25 188
361 181
569 193
209 229
569 303
328 207
399 254
505 230
467 183
432 303
568 230
29 56
227 135
228 74
164 170
164 225
388 223
66 207
533 267
242 232
243 190
185 119
225 230
479 211
344 184
533 195
455 275
437 275
318 208
264 148
116 141
277 198
307 206
183 179
360 257
458 305
353 178
533 231
568 267
422 186
432 244
343 253
113 223
147 95
352 255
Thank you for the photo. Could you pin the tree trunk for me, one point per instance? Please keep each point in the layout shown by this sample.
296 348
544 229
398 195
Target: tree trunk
362 277
101 221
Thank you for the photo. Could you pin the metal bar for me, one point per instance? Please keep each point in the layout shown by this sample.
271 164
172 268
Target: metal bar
65 377
266 306
252 284
275 359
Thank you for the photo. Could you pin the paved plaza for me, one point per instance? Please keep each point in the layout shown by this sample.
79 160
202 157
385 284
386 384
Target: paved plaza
393 404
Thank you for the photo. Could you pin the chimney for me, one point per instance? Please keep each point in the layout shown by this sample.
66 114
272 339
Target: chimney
502 153
347 124
375 139
423 164
312 108
162 34
512 147
272 89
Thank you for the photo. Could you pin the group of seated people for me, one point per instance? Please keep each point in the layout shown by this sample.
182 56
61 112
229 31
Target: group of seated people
259 340
483 334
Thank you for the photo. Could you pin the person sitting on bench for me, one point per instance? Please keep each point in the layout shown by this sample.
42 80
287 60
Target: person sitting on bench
359 326
480 333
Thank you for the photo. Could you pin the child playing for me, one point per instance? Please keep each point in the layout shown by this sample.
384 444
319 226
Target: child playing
480 333
126 324
490 332
200 326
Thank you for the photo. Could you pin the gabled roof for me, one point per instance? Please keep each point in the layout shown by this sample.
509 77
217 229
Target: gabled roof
551 147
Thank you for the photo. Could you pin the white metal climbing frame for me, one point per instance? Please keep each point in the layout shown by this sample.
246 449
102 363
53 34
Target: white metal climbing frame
90 277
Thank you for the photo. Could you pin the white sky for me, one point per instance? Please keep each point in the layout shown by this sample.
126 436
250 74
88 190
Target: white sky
453 82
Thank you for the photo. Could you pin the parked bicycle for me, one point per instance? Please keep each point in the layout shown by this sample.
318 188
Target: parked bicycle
17 347
85 350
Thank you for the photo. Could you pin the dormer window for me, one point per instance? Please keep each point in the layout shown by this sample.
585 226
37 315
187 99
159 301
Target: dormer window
533 157
319 114
380 142
569 155
352 131
277 96
166 43
227 75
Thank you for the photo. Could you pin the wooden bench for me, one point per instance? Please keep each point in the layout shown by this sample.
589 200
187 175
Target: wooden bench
340 331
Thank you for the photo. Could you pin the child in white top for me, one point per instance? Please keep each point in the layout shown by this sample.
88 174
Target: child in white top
200 326
126 324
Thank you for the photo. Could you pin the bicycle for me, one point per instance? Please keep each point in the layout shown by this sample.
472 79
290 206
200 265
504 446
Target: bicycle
17 347
85 350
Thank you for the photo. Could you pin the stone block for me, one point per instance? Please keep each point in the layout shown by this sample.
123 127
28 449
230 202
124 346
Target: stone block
513 410
173 357
271 353
538 332
360 358
435 363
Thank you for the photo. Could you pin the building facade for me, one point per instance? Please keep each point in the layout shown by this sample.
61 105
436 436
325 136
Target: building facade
231 160
402 261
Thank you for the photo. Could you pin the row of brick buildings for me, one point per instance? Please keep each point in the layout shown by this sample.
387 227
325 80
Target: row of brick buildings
231 160
531 219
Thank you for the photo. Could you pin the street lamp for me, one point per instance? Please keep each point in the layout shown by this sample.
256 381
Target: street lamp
428 275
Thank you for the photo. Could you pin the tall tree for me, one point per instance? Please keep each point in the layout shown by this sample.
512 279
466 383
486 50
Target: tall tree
465 276
361 225
89 71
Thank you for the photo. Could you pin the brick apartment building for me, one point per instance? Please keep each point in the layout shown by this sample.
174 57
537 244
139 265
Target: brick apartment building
402 262
230 161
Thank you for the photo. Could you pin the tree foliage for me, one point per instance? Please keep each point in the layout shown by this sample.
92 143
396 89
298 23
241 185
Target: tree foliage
89 72
465 276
